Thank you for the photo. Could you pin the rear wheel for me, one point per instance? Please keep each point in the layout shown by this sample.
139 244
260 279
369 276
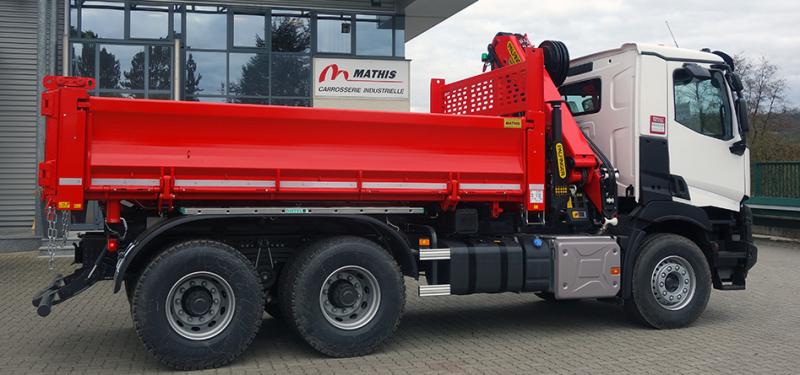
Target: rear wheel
671 282
197 305
344 296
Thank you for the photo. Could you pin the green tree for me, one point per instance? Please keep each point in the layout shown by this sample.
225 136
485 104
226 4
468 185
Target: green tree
254 80
290 34
192 79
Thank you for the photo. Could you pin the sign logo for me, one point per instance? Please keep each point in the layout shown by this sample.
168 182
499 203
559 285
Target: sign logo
513 55
562 166
512 123
359 75
658 125
373 79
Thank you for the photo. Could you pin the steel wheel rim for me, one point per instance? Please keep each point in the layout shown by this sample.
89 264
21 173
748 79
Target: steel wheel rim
365 303
673 283
182 305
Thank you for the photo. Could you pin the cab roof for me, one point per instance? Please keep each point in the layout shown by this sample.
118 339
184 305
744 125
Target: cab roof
666 52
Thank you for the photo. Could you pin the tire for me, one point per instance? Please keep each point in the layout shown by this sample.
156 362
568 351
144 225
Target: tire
683 283
217 276
130 287
306 304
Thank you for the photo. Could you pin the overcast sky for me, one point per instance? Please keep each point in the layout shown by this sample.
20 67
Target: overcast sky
452 49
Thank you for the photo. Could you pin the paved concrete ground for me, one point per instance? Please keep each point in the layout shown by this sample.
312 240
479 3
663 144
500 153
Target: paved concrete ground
752 331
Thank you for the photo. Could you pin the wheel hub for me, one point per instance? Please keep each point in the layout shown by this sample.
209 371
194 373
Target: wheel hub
197 302
200 305
350 297
344 294
673 283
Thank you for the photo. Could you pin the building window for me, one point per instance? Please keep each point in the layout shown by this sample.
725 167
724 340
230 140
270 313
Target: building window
400 36
249 30
361 35
149 22
228 54
241 71
206 27
102 20
334 33
126 47
291 31
374 35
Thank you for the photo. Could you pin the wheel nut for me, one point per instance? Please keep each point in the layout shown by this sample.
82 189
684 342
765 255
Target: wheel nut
203 283
685 290
180 312
213 290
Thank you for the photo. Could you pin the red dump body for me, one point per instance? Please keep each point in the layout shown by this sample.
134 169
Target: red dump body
165 152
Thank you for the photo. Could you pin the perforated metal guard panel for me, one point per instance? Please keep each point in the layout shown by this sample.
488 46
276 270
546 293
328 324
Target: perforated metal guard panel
500 91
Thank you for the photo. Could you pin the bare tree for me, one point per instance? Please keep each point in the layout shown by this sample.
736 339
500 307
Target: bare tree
764 92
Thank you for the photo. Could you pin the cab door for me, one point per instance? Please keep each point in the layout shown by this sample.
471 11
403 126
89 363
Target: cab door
701 129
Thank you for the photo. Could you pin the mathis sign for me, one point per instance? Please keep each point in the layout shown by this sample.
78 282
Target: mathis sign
376 79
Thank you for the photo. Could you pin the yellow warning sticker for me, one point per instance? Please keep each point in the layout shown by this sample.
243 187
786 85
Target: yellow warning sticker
64 205
562 166
512 123
77 206
513 56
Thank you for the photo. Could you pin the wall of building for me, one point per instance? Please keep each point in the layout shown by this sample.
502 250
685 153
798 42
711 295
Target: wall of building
19 42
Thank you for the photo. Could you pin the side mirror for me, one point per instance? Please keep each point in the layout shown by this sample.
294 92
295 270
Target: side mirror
741 115
736 82
697 71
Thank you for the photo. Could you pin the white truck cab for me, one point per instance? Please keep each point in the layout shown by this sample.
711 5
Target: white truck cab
667 119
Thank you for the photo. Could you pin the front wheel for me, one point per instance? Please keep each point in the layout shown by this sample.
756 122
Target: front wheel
198 305
671 282
344 296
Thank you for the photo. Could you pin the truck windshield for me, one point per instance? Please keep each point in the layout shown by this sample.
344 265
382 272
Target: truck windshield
702 104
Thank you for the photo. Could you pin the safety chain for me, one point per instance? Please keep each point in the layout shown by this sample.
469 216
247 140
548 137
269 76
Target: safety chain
53 233
66 221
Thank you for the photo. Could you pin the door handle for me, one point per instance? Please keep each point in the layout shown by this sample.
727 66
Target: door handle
739 147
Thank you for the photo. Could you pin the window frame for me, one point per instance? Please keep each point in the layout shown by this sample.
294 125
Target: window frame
599 87
725 97
354 33
146 43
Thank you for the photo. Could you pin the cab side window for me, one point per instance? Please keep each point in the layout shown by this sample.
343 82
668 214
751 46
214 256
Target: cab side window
702 104
583 97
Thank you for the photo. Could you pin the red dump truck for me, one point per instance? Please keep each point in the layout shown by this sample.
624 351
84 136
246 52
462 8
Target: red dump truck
216 213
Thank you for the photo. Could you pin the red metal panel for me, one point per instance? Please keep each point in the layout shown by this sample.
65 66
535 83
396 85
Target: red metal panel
171 151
